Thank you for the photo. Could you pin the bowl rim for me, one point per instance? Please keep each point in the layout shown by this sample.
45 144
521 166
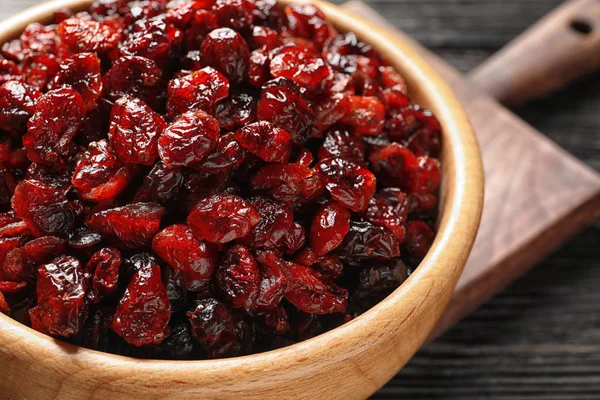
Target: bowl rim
442 266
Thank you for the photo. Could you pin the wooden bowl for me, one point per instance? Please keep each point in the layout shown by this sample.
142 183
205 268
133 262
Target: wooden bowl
349 362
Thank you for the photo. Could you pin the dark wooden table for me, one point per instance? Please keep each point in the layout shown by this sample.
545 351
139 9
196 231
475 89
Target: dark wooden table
540 338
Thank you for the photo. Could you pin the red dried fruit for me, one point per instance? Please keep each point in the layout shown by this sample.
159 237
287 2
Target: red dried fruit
182 13
132 77
366 241
329 226
189 139
237 110
342 142
87 36
57 118
226 51
222 218
103 270
275 221
214 327
227 156
419 238
39 69
282 103
380 280
60 292
83 238
295 238
367 115
398 166
161 185
134 131
201 89
139 9
236 14
82 73
238 277
143 313
9 71
264 37
20 261
389 209
7 244
35 39
17 105
4 307
151 38
348 183
301 67
44 208
309 294
177 246
348 54
99 175
258 68
266 141
332 109
201 25
307 21
133 225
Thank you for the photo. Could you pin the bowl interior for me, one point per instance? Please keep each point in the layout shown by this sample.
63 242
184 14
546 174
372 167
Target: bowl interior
351 361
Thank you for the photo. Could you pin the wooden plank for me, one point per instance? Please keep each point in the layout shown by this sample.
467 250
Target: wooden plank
537 195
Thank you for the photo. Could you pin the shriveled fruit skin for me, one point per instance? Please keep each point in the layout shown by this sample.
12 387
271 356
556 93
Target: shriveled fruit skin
365 241
17 105
134 131
189 139
276 219
238 277
201 89
222 218
143 313
82 73
238 110
348 183
61 289
131 226
227 51
151 38
99 175
44 208
216 330
20 262
329 226
87 36
161 185
270 143
132 76
177 246
56 121
103 271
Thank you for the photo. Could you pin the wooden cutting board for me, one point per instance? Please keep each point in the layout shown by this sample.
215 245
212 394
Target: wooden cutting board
536 197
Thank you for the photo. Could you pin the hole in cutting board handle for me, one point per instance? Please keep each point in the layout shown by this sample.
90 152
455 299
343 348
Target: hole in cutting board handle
581 26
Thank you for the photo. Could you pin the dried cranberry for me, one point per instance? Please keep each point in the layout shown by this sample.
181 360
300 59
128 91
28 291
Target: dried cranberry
87 35
258 68
236 14
348 183
238 277
282 103
82 73
367 115
227 156
237 110
132 225
307 21
57 118
61 291
44 208
367 241
342 142
103 269
134 131
222 218
226 51
202 23
201 89
301 67
178 247
39 69
329 226
151 38
273 226
17 105
389 209
419 238
132 77
215 328
99 175
270 143
161 185
189 139
332 109
143 313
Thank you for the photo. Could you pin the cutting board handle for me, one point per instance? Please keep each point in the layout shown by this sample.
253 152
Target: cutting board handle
561 47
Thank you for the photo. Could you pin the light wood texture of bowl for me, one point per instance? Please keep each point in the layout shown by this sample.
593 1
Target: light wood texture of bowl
350 362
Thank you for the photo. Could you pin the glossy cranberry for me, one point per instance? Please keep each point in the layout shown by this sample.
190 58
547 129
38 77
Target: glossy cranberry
270 143
103 271
226 51
87 35
17 105
329 226
82 73
275 221
238 277
143 313
228 155
151 38
189 139
134 131
39 69
307 21
60 292
419 238
367 115
342 142
178 247
236 14
366 241
222 218
237 110
19 263
348 183
132 76
201 89
161 185
301 67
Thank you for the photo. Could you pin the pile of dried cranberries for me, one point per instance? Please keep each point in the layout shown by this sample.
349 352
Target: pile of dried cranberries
204 179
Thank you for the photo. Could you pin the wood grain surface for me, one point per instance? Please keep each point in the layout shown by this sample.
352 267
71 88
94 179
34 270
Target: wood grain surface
539 338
